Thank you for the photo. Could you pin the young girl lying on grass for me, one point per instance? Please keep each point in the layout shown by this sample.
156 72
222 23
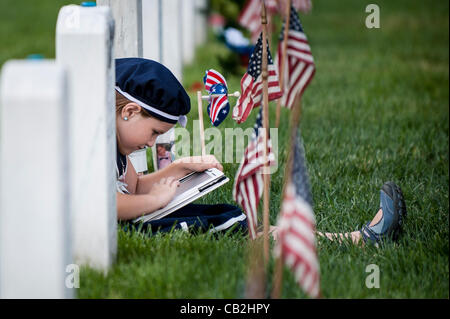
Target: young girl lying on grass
149 102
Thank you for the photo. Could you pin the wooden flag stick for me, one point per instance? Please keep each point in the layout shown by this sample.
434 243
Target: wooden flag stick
283 59
207 97
295 120
200 120
277 281
255 287
269 29
265 106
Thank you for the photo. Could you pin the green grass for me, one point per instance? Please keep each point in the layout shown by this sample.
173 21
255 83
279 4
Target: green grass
376 110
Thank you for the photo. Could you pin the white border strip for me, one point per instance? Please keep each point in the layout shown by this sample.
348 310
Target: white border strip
228 223
148 107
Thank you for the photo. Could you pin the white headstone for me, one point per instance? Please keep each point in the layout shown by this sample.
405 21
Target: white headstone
200 22
171 37
128 35
128 42
187 39
152 29
85 49
34 181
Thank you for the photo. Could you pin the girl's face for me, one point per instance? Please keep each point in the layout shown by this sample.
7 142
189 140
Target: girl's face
138 131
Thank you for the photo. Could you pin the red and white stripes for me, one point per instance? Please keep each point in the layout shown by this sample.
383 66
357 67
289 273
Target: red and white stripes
296 241
299 66
249 183
251 93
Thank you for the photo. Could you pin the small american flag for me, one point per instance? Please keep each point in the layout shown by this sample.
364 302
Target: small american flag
271 5
296 236
213 77
299 65
218 107
252 84
249 183
304 6
250 16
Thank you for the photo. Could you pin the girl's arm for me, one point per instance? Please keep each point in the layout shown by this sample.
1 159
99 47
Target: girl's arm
145 182
154 191
177 169
130 206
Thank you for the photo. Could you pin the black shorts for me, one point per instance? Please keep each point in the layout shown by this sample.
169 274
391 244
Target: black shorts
195 218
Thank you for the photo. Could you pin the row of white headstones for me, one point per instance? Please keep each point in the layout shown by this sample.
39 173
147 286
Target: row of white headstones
58 142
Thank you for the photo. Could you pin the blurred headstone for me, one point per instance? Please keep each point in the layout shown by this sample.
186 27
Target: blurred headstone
35 244
128 27
84 44
128 42
152 29
171 34
200 22
187 20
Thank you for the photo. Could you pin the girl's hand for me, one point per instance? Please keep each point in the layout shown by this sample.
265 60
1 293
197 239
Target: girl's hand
199 163
164 190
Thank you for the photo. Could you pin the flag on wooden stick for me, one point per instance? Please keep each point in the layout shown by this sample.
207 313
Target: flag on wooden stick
218 106
299 65
296 238
304 6
249 184
271 5
213 77
250 16
252 84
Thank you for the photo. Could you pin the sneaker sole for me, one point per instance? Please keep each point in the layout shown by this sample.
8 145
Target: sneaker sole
395 192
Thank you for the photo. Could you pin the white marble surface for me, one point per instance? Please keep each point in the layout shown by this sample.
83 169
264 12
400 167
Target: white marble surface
188 23
85 50
128 26
34 181
162 30
171 39
200 22
152 29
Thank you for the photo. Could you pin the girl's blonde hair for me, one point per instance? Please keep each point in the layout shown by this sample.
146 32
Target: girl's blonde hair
121 101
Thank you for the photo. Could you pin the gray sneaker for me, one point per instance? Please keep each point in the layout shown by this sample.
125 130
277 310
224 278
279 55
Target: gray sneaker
393 206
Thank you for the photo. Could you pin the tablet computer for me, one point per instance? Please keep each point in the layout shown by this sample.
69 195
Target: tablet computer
192 187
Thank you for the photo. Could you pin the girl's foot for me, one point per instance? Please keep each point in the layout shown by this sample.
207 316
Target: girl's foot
273 230
388 222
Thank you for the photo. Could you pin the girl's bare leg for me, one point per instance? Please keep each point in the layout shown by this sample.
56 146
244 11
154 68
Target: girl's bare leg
340 237
354 236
